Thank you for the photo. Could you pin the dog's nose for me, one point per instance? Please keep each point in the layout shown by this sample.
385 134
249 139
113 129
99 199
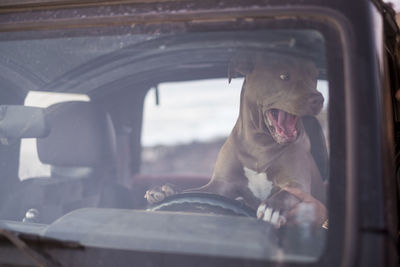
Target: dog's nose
316 101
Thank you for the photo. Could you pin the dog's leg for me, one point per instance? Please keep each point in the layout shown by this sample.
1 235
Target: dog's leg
215 186
159 193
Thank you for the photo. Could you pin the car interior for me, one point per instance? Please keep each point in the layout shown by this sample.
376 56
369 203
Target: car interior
94 148
78 167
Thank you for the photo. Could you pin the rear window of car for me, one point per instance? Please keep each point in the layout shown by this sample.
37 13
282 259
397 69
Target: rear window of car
29 164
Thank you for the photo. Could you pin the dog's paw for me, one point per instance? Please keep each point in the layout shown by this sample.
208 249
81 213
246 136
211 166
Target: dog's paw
268 214
158 194
154 195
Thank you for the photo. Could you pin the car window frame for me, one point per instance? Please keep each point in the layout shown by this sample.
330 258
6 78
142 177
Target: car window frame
340 33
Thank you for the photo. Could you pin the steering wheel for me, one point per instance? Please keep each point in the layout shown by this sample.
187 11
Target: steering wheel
203 203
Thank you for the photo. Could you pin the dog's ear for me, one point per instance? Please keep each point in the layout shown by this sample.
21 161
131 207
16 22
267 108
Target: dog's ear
240 64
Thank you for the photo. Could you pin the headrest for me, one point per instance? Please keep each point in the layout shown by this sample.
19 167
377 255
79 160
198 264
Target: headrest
81 135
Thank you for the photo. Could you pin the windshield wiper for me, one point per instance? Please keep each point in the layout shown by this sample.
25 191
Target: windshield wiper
38 258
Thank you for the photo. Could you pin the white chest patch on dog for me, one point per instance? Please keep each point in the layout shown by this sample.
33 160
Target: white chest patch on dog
258 184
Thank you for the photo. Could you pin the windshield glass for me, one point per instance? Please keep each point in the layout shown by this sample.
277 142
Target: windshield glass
203 143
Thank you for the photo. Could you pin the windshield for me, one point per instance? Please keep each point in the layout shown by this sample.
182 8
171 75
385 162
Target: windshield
202 143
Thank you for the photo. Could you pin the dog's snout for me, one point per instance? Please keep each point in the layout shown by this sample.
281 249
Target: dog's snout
316 102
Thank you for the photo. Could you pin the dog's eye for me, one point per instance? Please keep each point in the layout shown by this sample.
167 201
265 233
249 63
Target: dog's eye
284 76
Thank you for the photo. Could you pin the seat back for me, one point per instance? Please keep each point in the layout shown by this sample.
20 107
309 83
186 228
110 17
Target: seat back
319 149
81 135
81 151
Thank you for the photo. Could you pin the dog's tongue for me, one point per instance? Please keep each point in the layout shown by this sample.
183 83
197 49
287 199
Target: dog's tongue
284 123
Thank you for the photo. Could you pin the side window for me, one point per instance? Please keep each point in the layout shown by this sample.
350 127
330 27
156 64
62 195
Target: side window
29 163
184 132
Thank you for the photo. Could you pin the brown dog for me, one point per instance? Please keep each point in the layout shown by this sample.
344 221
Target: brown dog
268 147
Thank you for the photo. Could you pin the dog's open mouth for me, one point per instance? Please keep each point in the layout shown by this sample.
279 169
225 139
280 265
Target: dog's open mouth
282 125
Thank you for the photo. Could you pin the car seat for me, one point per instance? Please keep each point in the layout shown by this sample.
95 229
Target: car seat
80 149
319 149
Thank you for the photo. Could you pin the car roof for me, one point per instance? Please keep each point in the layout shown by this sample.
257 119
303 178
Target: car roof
149 62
